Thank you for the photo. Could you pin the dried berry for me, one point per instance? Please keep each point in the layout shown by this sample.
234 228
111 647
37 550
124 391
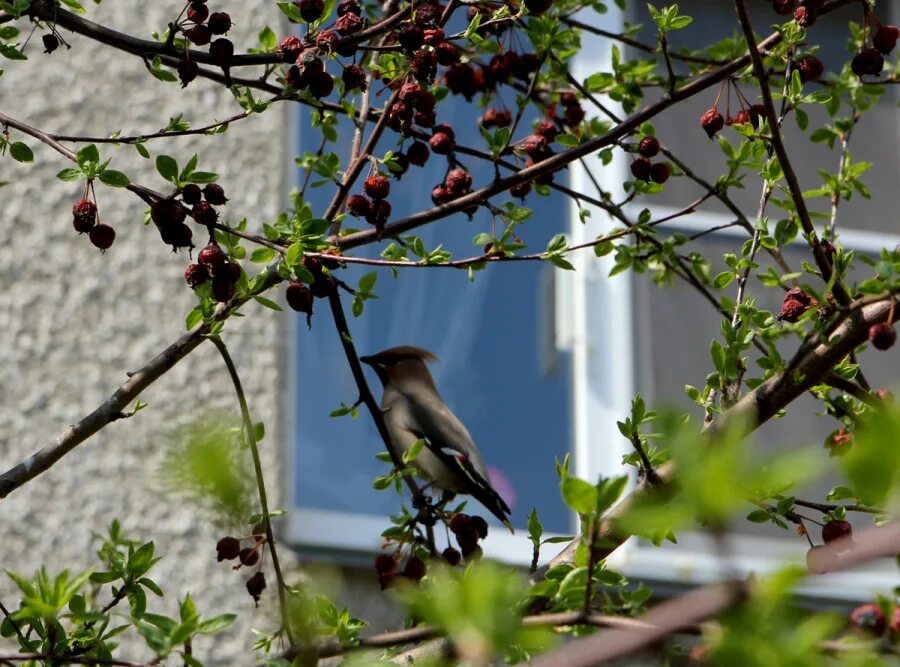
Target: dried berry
458 182
214 194
712 121
195 275
191 194
659 172
521 190
327 40
385 564
441 143
411 37
742 117
536 146
377 186
349 7
84 214
249 556
178 235
212 256
354 77
102 236
221 51
310 10
256 585
538 6
167 212
784 7
460 523
222 289
219 23
868 619
547 129
796 302
289 49
321 85
480 526
378 216
496 118
649 147
440 194
836 530
188 70
51 43
804 16
452 556
204 213
415 568
231 271
810 68
433 36
424 65
882 336
885 38
447 54
197 12
418 153
299 297
227 548
358 206
867 62
199 35
349 24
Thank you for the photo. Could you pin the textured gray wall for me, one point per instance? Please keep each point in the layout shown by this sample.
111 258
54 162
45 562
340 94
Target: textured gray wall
73 321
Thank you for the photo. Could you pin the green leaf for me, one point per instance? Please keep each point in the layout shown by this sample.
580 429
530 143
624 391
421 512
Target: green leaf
263 301
262 255
167 168
215 624
88 154
114 178
579 495
21 152
70 174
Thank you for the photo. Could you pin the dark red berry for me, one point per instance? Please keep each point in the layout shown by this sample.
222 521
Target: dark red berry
354 77
538 6
358 206
458 182
310 10
742 117
424 65
805 16
641 168
167 212
231 271
84 214
221 51
349 24
440 195
289 49
433 36
199 35
649 147
521 190
377 186
219 23
836 530
222 289
712 121
327 40
411 37
480 526
204 213
810 68
536 146
868 619
547 129
783 7
256 585
177 235
796 302
385 564
51 43
867 62
299 298
214 194
460 522
415 568
885 38
321 85
197 12
187 71
452 556
191 194
102 236
228 548
196 274
441 143
381 211
428 14
447 54
212 256
249 556
349 6
882 336
418 153
659 172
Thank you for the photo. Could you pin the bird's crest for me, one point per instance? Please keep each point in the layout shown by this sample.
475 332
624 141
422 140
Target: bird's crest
395 355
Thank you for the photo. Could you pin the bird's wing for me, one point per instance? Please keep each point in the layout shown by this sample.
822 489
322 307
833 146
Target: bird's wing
447 437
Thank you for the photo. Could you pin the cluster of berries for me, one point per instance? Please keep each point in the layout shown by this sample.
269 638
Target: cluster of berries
169 214
822 558
870 59
300 297
229 548
386 568
468 530
373 205
85 221
641 167
457 183
199 27
212 264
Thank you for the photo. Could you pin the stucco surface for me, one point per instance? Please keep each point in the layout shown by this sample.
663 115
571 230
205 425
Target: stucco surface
73 321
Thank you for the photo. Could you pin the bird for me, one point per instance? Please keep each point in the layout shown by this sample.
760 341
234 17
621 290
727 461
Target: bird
414 410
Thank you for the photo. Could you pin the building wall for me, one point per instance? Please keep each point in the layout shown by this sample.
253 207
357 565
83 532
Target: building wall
73 321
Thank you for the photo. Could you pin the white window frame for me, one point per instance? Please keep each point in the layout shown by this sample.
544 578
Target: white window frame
594 322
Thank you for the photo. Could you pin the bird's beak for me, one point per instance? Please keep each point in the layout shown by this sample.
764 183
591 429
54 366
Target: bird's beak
368 360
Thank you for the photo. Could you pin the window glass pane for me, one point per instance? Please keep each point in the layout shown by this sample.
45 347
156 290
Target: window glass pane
874 139
488 335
